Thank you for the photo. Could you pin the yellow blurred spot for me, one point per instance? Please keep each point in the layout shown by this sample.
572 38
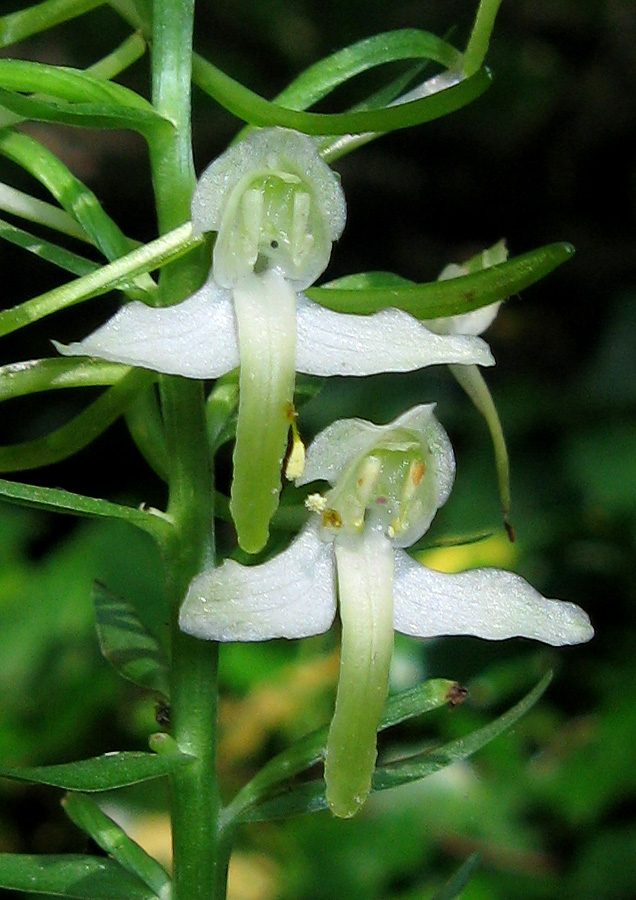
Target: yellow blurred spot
247 724
252 876
495 550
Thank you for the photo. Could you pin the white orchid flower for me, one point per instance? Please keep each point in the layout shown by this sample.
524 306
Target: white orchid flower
276 208
388 482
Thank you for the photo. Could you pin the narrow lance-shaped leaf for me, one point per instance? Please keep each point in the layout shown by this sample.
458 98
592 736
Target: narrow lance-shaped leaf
129 51
36 375
118 274
100 773
146 427
85 115
128 645
82 430
35 19
310 796
84 812
59 256
72 97
329 73
71 875
257 111
157 524
408 704
19 203
370 292
78 201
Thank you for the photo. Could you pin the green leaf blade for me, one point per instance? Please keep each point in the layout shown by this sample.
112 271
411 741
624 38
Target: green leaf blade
84 812
255 110
101 773
59 256
371 292
23 23
81 877
308 751
126 643
310 796
158 525
81 431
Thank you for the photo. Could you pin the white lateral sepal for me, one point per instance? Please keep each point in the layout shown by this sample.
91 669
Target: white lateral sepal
331 343
293 595
487 603
195 338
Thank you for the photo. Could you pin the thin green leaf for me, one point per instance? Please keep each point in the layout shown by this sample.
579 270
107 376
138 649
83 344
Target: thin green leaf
153 522
459 879
35 19
36 375
27 207
78 201
80 431
146 427
220 410
123 56
255 110
64 83
423 764
308 751
82 877
118 274
101 773
310 796
84 115
370 292
392 46
333 147
126 643
84 812
137 13
59 256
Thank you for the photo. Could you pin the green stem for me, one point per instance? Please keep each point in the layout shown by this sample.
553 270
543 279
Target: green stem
200 856
480 37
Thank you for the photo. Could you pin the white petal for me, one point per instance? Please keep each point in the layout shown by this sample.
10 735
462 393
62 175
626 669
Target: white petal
331 343
365 587
195 338
293 595
487 603
336 446
473 322
268 149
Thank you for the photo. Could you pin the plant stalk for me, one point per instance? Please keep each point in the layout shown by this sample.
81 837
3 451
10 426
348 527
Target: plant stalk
200 856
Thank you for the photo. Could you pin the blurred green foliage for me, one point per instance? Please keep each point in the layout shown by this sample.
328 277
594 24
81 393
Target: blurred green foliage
548 154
